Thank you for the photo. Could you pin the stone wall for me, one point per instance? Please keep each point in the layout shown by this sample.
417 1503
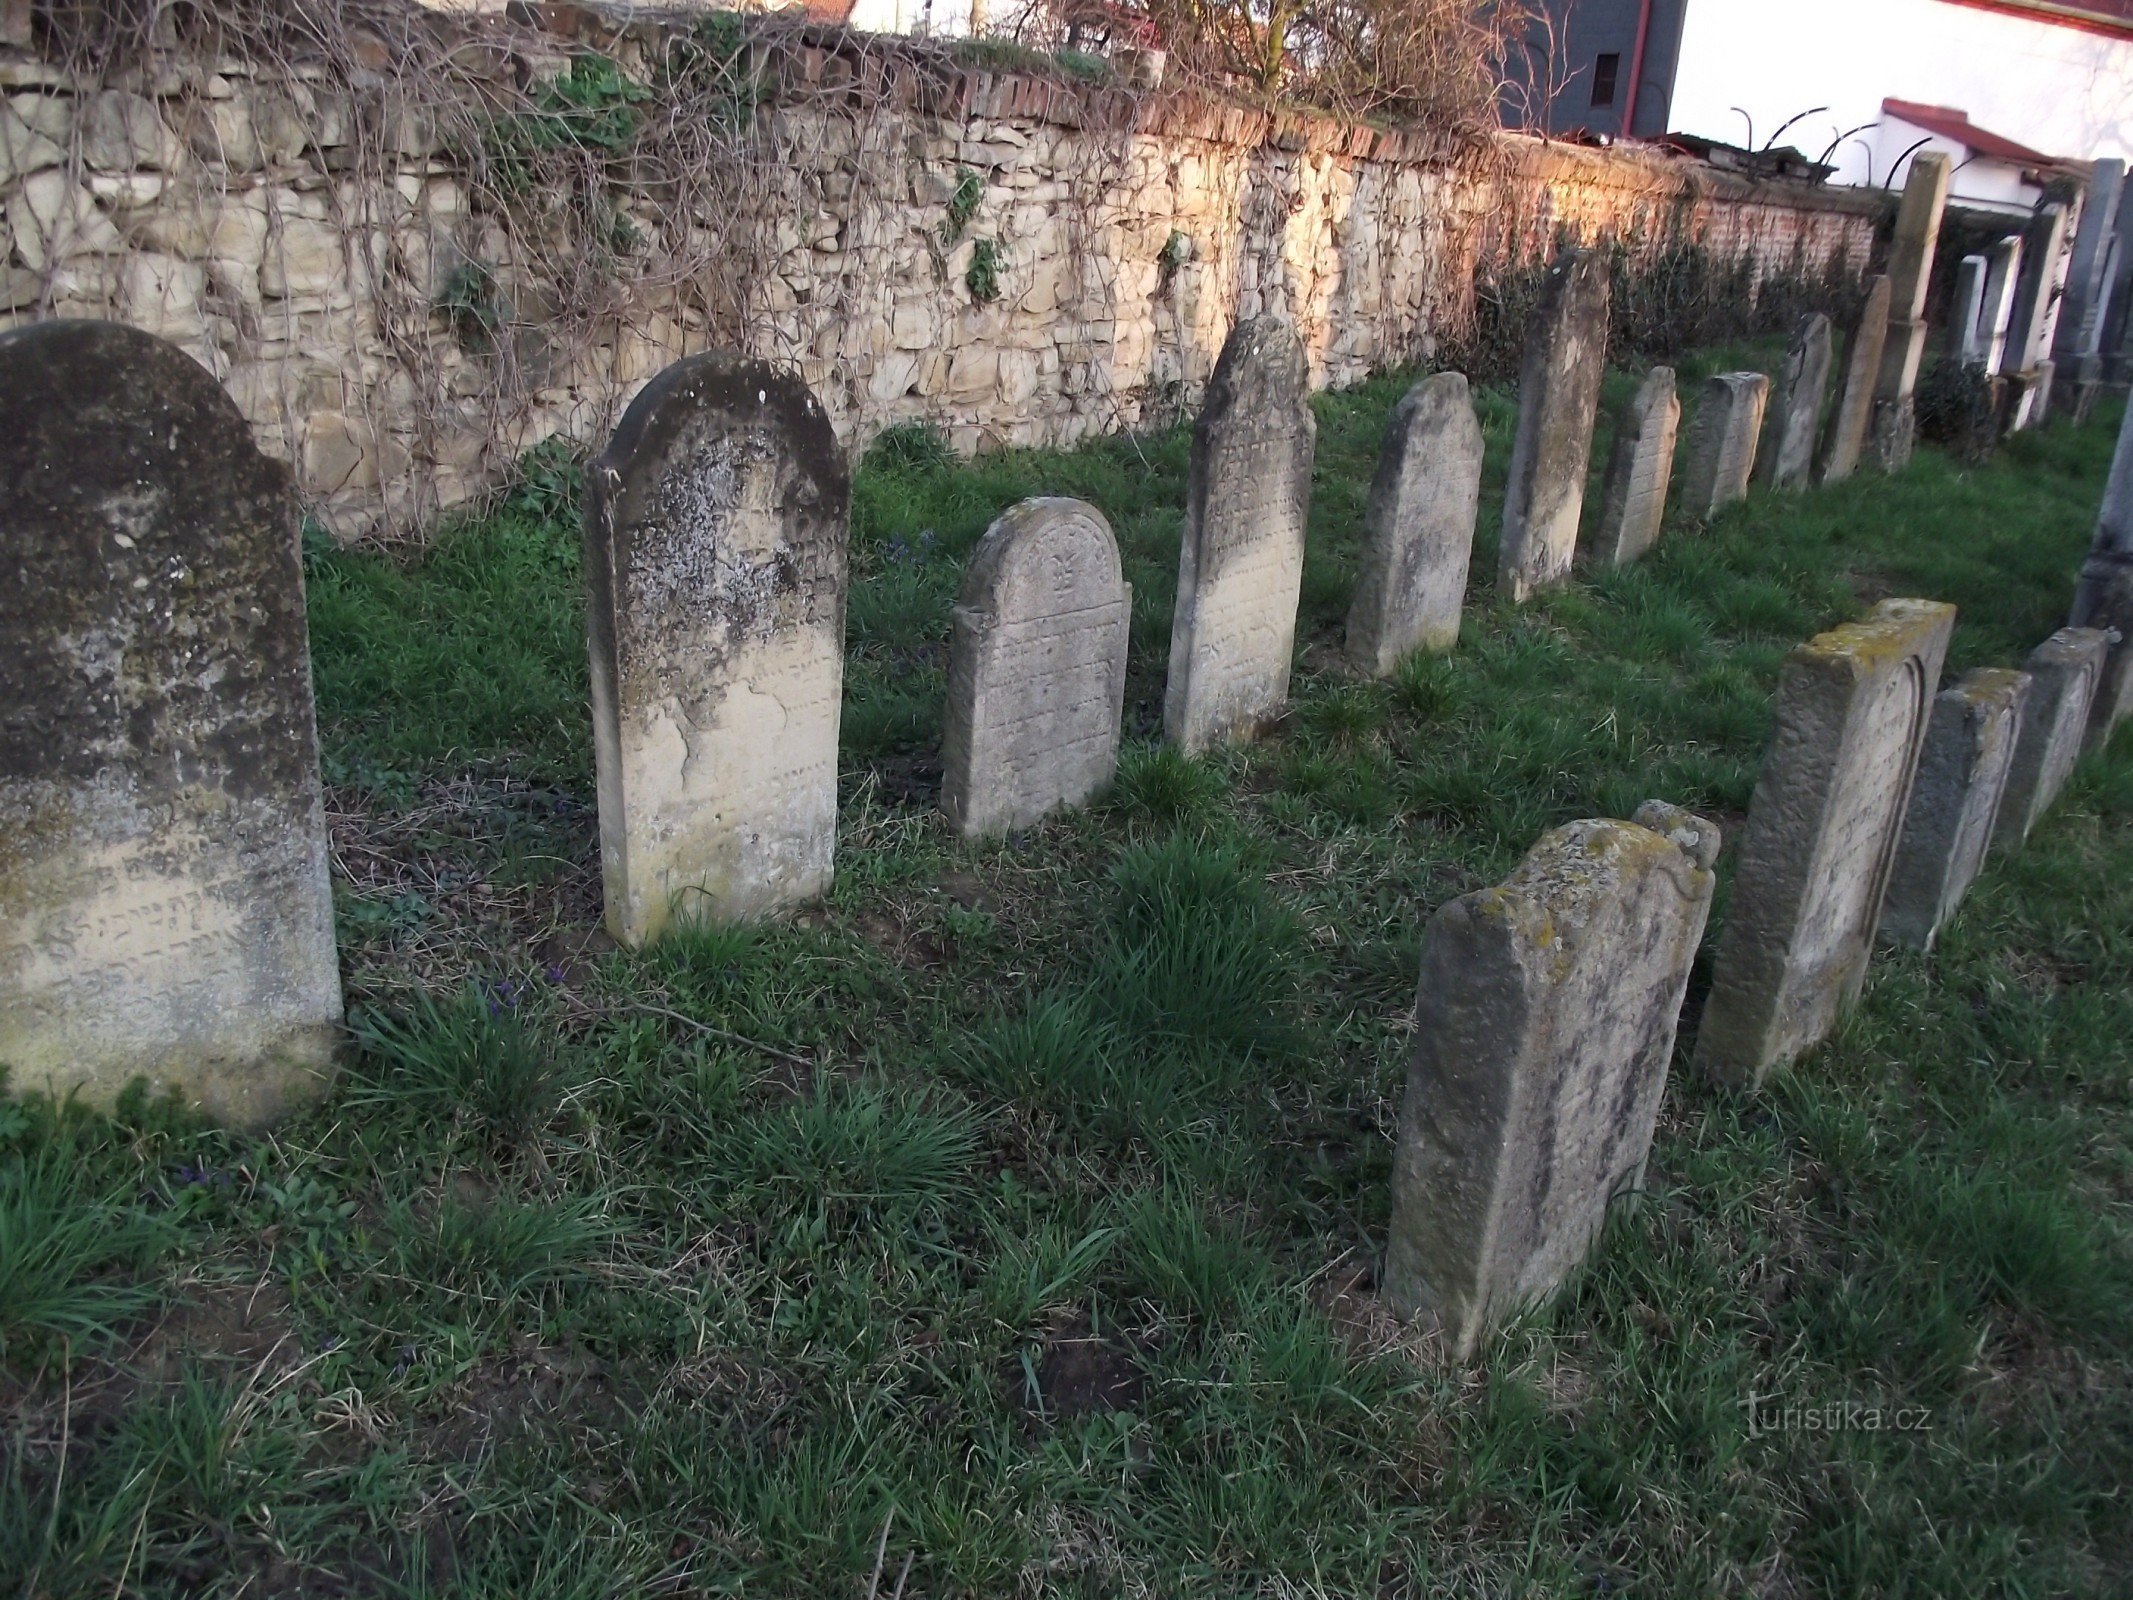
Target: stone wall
307 251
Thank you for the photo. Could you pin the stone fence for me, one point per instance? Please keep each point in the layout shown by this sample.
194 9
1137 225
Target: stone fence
1020 260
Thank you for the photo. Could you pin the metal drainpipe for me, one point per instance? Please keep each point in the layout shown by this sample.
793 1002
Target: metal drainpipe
1636 70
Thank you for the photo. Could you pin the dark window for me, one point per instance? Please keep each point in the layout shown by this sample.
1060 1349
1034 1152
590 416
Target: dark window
1604 72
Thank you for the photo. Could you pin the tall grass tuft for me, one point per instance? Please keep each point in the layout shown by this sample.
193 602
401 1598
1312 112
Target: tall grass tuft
67 1245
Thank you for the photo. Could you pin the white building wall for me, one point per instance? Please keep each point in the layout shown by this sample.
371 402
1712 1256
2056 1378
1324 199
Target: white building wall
2063 90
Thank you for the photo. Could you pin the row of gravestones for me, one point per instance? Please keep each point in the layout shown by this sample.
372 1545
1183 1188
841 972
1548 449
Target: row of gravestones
164 903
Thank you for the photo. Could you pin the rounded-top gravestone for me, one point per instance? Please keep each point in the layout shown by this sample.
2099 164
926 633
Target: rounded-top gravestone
164 906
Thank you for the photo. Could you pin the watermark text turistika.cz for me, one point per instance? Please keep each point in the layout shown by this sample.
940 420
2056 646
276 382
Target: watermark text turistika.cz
1773 1413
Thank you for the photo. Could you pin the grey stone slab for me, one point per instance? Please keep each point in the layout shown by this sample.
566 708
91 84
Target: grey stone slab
2003 271
1418 531
1821 840
1240 566
2035 304
1546 1014
1036 668
1853 413
1720 454
1964 342
2080 331
1955 799
1639 472
715 543
1558 400
2104 596
1795 408
1916 236
164 906
2065 671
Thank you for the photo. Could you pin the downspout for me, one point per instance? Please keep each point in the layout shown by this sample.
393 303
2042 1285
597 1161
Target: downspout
1636 70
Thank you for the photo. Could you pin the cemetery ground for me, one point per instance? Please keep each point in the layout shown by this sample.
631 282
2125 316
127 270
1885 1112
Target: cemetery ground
1005 1225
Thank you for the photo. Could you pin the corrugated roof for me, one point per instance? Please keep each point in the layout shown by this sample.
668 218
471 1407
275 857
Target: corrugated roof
1953 124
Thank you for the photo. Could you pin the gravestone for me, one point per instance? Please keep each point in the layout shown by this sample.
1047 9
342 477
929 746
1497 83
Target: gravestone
1925 196
1558 397
715 534
1037 669
164 905
1795 409
1240 568
1722 440
2080 332
1418 531
1638 473
2003 270
2064 672
1822 834
1962 777
2029 334
1854 411
2104 597
1546 1015
1965 338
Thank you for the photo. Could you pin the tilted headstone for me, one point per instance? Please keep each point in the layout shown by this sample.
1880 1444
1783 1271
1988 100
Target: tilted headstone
2080 332
1418 532
1925 196
2002 272
1546 1014
1240 568
1037 669
2064 672
1558 399
1795 411
1822 834
164 905
1965 342
1962 777
2104 596
1638 473
715 544
1720 454
1853 413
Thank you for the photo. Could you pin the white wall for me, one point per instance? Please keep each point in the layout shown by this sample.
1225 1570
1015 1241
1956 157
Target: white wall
939 18
1982 181
2061 90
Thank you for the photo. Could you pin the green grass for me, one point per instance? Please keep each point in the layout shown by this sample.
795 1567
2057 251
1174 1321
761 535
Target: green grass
1012 1213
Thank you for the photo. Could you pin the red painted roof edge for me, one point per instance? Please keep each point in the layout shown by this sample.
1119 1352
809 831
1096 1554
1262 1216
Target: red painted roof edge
1951 123
2111 18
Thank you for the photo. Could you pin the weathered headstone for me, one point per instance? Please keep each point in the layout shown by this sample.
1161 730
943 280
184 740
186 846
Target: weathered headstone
1853 413
1722 441
715 542
1037 669
1795 410
164 905
1925 196
2080 333
1240 568
1638 473
2104 596
1418 532
1558 398
1547 1010
1823 828
2003 271
2064 673
1962 776
2036 304
1965 340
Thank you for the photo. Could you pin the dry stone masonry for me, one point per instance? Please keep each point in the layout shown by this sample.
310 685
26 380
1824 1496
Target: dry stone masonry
2064 672
1418 531
1546 1015
1853 414
164 907
1638 473
1240 566
1822 835
1962 777
1795 413
1722 442
1558 397
715 540
1037 669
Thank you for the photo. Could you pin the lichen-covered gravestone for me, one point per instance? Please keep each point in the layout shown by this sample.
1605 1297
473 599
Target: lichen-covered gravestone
2064 672
1240 568
1558 398
1418 532
1546 1016
164 906
1722 439
715 535
1037 669
1638 473
1853 412
1795 413
1962 777
1821 839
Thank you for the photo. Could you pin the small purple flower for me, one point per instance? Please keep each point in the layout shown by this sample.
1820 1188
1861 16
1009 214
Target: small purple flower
553 974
